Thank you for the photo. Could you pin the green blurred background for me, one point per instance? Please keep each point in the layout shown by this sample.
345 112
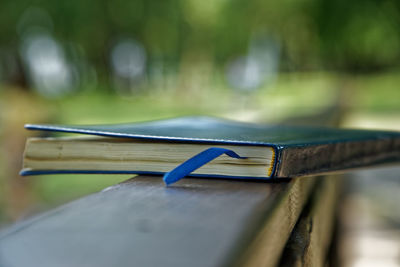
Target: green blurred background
123 61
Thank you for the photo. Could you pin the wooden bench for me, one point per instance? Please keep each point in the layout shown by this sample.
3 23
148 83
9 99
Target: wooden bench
195 222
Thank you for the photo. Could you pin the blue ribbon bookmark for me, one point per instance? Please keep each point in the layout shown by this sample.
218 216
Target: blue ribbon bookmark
196 162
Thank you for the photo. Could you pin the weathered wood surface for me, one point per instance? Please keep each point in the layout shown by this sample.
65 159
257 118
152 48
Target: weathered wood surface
271 237
195 222
311 238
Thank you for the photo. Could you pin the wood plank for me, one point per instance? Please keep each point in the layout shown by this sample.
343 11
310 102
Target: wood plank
311 238
195 222
272 235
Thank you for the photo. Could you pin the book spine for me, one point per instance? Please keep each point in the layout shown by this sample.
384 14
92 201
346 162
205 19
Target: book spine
315 159
276 162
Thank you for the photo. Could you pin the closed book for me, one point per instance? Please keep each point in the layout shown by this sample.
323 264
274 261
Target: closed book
234 149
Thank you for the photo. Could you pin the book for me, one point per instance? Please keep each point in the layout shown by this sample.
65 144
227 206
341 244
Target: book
214 147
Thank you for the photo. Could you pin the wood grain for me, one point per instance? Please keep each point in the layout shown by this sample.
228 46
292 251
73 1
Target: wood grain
311 238
272 235
195 222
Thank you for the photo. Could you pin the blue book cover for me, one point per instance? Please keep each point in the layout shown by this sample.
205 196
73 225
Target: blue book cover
295 151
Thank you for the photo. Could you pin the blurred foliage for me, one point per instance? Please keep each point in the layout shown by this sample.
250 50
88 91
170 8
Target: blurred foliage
359 35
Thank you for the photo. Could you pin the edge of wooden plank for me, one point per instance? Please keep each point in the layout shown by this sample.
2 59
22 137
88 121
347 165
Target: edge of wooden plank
273 231
310 241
